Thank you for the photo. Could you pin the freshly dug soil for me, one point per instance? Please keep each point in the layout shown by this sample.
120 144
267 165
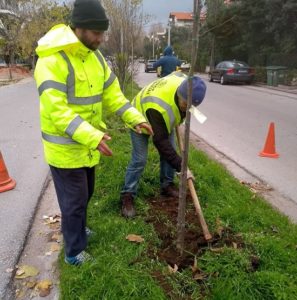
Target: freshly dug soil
163 216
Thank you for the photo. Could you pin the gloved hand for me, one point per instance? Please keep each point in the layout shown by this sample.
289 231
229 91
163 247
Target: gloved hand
190 175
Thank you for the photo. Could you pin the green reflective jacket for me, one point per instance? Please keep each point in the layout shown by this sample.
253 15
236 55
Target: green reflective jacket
76 86
160 95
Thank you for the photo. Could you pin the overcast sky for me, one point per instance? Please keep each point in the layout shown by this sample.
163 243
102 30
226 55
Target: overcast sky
160 9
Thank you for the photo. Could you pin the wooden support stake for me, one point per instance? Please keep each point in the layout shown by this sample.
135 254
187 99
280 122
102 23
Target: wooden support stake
194 196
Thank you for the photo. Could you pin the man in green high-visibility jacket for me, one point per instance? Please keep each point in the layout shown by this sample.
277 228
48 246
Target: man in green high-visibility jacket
76 87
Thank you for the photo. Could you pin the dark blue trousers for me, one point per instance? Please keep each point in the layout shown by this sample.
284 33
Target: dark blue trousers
74 188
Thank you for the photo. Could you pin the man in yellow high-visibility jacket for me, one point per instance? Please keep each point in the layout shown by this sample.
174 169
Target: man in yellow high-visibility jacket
163 102
76 86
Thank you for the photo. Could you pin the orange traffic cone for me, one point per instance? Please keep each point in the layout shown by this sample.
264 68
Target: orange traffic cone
269 148
6 183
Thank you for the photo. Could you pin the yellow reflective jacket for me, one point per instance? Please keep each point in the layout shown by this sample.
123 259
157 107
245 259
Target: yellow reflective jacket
76 86
160 95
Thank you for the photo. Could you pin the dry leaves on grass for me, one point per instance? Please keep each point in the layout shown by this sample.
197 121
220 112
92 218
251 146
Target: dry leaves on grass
256 186
134 238
198 274
172 270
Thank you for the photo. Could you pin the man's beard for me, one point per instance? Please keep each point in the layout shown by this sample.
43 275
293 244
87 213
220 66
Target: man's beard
88 44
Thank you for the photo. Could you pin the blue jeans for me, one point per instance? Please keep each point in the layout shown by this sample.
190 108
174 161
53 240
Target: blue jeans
138 162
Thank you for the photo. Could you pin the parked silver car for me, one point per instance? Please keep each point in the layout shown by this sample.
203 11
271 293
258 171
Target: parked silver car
149 65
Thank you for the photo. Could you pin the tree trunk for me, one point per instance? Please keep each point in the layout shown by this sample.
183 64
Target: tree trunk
185 152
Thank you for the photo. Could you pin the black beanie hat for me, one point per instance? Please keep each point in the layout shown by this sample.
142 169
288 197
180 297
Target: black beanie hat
89 14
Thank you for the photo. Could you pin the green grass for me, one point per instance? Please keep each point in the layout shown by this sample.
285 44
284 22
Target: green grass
122 270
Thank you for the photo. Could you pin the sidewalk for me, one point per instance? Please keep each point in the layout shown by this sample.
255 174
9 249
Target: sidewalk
21 147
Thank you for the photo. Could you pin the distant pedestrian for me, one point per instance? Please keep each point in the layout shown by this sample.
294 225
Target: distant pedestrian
164 103
168 62
76 88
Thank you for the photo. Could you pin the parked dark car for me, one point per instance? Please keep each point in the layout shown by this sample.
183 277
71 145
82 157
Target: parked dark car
232 71
148 67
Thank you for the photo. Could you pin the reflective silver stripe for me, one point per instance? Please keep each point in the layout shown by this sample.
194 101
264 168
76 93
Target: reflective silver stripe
61 140
124 108
73 125
85 100
100 58
163 104
110 80
70 77
71 86
51 84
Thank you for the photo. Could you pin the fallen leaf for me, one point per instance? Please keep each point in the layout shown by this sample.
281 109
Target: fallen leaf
20 272
134 238
234 245
30 284
194 267
56 237
216 274
199 276
20 294
44 287
49 253
253 190
216 250
55 247
274 229
172 270
26 271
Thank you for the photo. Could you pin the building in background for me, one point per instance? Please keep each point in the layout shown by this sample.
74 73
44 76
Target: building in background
181 19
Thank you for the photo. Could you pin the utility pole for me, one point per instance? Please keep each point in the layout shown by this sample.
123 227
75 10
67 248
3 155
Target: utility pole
153 45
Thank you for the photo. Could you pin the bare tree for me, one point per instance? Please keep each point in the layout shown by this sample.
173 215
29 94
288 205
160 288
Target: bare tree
23 22
125 36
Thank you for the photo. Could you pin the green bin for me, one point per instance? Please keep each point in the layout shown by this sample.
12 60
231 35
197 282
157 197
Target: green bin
275 75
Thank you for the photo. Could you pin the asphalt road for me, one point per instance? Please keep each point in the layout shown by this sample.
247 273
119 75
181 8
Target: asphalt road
237 125
21 147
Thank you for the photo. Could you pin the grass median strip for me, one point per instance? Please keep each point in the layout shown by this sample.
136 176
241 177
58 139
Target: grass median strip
253 254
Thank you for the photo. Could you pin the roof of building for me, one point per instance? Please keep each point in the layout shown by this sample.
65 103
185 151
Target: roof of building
182 15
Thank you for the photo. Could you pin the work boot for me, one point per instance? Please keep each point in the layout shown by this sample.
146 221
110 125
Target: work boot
170 191
128 209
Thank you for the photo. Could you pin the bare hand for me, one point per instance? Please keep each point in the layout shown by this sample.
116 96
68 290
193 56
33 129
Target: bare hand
103 148
145 126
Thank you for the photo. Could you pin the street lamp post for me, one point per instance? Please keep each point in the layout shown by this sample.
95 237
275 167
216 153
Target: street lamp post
169 31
